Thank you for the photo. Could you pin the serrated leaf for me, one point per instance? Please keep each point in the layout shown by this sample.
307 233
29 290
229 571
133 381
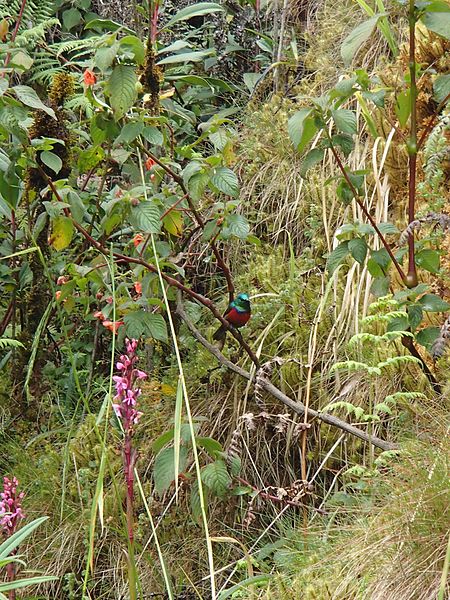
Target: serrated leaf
122 89
353 42
380 286
156 327
301 128
195 10
197 185
164 468
51 160
146 217
216 477
225 180
133 44
415 315
344 141
358 249
310 159
337 256
211 445
345 120
29 97
398 323
62 232
141 323
433 303
238 226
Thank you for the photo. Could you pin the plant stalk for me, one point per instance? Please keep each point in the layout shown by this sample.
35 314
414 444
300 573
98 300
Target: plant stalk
411 278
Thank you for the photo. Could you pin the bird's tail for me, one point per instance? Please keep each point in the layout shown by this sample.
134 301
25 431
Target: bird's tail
220 336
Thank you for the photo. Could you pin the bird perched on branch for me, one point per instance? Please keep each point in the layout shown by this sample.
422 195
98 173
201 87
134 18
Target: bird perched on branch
237 314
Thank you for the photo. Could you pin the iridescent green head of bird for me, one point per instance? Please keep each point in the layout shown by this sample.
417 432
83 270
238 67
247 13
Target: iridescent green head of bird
241 302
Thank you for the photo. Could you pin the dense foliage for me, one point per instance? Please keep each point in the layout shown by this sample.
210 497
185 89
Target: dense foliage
161 162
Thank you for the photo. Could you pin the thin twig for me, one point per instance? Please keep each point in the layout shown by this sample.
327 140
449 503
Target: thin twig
296 407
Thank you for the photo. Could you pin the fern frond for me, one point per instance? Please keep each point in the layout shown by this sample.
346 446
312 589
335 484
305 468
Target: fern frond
348 406
399 396
353 365
9 343
397 361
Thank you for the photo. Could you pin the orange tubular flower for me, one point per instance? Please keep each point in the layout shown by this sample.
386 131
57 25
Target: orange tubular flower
89 78
149 163
138 239
113 326
138 287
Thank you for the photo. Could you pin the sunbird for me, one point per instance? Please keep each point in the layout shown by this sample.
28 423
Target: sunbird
237 314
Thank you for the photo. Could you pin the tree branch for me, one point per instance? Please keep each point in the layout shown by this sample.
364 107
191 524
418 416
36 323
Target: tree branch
296 407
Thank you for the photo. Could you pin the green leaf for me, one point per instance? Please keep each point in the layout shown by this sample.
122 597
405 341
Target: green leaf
146 217
4 85
135 46
387 228
301 128
71 18
156 327
211 445
51 160
439 22
122 89
153 135
130 132
380 286
415 315
254 581
164 468
381 257
337 256
225 180
426 337
358 249
105 56
345 121
216 477
441 87
432 303
356 39
62 232
344 141
108 25
310 159
195 56
21 583
29 97
374 268
429 260
90 158
7 547
403 107
195 10
398 324
238 226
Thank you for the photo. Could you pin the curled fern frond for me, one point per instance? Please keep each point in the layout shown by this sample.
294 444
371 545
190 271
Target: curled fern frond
442 341
441 220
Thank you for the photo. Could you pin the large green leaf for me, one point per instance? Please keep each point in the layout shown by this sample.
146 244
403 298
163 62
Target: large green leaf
345 120
51 160
337 256
238 226
122 89
141 323
195 10
441 87
225 180
29 97
438 22
358 249
164 468
216 477
356 39
433 303
301 128
196 56
146 217
62 232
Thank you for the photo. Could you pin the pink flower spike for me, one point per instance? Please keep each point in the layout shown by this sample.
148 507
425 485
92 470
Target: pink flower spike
140 374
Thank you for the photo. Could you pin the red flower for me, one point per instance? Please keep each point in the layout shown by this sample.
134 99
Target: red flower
149 163
138 287
99 315
89 78
138 239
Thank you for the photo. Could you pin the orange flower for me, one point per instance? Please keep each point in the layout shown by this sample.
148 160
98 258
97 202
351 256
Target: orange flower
99 315
113 326
58 294
138 287
149 163
138 239
89 78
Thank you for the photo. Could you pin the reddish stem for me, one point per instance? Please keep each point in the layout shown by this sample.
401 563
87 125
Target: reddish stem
15 31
